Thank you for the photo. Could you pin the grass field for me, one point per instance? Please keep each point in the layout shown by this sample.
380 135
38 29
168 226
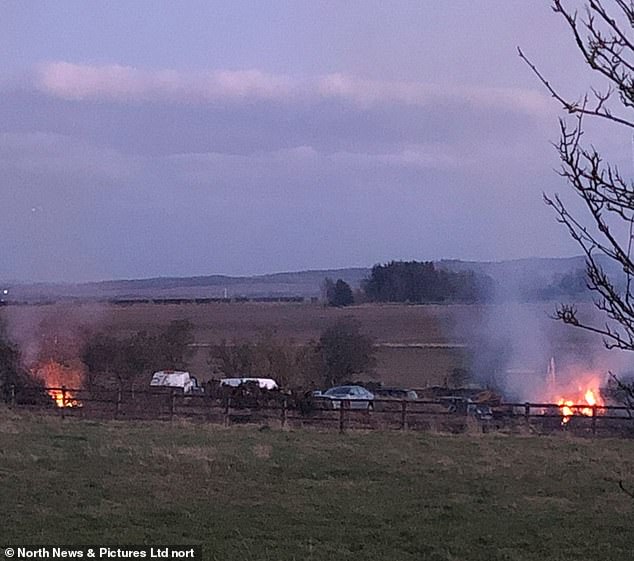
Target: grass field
247 494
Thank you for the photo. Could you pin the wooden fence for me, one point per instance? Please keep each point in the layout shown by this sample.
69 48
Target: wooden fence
342 414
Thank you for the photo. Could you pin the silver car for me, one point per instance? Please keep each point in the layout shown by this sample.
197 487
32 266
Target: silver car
357 396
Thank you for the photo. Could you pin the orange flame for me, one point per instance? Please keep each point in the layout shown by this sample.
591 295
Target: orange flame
55 376
581 391
63 399
584 404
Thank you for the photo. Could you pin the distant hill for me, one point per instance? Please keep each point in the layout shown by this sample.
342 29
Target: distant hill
304 284
526 279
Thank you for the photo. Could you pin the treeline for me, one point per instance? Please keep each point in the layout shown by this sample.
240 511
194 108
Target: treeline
125 358
422 282
105 360
341 354
416 282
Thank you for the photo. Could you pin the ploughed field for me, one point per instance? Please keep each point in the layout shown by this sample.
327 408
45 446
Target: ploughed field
249 494
417 345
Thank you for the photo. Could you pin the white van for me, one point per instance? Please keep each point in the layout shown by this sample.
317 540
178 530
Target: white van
263 383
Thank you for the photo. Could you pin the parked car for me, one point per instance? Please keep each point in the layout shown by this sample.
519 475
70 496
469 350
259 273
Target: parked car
263 383
357 396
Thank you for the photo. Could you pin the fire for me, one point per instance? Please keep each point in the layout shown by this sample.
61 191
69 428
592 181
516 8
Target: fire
55 376
565 406
583 404
63 399
581 391
591 398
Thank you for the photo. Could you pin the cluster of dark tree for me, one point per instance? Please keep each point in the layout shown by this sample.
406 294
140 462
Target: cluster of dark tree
423 282
416 282
341 353
126 359
337 293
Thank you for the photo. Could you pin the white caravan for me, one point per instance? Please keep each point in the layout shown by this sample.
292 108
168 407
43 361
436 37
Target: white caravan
175 379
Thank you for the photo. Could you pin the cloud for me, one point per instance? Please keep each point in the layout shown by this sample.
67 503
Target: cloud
256 169
125 83
128 84
369 92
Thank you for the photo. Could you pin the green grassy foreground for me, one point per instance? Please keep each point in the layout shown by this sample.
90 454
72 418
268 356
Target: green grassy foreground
247 494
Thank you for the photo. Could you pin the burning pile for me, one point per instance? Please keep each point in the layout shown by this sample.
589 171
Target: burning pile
56 376
580 395
581 405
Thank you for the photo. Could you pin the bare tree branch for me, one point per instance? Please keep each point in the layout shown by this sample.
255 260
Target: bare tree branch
580 106
603 32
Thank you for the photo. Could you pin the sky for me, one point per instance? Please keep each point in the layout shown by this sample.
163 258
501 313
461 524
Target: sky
155 138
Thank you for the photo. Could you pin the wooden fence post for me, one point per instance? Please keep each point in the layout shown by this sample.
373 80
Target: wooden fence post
227 406
172 403
63 408
283 414
209 399
594 420
404 415
117 409
527 414
342 416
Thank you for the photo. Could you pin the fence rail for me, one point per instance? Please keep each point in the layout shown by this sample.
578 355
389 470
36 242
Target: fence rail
287 410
